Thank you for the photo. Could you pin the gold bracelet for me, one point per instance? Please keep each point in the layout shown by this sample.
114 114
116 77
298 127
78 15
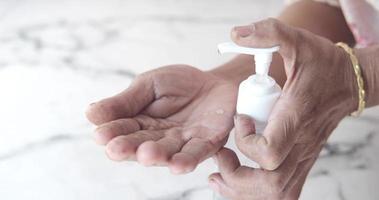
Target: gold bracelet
358 74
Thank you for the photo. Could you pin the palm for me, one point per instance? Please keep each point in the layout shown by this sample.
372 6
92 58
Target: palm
175 116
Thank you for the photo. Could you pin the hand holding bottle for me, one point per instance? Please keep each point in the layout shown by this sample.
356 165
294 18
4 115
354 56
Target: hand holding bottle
320 90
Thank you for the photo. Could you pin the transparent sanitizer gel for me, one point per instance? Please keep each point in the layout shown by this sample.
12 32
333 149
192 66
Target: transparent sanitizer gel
257 94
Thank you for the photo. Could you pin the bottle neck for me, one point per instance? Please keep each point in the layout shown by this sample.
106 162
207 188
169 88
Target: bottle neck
262 79
262 84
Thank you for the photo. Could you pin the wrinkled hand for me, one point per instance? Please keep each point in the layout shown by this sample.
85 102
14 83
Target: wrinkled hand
173 116
320 90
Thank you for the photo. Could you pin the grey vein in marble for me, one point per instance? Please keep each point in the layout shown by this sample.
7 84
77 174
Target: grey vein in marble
61 42
41 145
183 195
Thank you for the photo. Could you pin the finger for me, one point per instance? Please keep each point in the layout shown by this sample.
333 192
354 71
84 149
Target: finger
126 104
163 106
105 132
270 148
259 182
266 33
218 185
159 152
232 177
124 147
233 174
244 125
280 177
246 139
192 153
227 161
280 133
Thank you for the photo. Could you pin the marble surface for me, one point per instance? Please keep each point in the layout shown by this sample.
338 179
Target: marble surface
58 56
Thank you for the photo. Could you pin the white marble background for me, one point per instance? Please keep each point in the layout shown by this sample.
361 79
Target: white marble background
57 56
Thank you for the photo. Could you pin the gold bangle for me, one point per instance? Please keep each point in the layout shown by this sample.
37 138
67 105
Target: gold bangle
358 74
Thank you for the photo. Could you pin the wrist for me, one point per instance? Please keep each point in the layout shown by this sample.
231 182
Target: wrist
350 87
369 62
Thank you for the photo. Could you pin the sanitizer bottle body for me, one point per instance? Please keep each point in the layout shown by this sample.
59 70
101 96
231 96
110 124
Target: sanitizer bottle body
257 96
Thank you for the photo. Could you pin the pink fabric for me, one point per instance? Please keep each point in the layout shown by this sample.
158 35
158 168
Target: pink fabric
362 17
363 20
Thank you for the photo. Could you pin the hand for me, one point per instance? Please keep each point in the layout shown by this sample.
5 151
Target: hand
173 116
320 90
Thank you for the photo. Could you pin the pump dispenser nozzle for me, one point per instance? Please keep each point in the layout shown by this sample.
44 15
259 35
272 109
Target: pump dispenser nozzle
263 56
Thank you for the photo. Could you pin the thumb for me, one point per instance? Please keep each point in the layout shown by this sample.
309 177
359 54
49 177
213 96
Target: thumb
271 148
228 165
125 104
227 161
267 33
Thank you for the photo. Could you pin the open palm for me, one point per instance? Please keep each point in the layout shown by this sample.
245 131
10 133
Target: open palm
175 116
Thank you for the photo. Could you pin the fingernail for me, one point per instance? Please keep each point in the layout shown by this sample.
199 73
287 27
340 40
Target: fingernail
215 187
244 31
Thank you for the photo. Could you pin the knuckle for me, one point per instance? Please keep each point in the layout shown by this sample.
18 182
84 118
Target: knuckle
245 147
270 24
272 159
240 141
273 23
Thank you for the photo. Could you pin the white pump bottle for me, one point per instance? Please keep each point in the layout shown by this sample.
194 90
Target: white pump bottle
258 94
